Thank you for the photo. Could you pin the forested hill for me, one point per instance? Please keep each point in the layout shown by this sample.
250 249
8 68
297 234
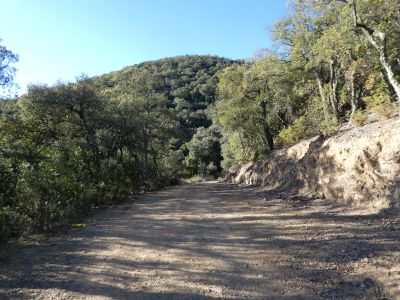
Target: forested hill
182 89
189 84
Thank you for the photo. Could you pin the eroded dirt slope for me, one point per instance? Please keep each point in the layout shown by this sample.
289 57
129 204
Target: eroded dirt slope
359 166
214 241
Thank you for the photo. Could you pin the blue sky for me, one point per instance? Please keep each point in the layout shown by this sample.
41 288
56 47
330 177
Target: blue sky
60 39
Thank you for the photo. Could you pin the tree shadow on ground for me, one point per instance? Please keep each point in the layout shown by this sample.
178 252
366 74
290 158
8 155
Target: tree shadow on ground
209 241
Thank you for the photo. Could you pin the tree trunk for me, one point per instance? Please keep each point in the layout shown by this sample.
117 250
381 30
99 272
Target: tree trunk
90 136
322 95
146 164
389 72
281 117
333 86
267 132
353 94
154 155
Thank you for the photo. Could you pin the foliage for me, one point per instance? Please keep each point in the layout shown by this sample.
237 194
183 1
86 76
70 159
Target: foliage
188 84
71 147
328 65
255 103
204 152
358 118
381 104
295 132
7 71
377 99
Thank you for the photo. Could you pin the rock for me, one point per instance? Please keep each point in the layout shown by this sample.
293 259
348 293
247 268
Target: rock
364 260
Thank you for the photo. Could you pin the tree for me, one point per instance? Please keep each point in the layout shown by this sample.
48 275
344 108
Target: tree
204 152
255 102
377 27
300 36
322 74
7 71
70 147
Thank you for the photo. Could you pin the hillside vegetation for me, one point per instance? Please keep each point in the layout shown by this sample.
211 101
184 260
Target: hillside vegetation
67 148
70 147
335 61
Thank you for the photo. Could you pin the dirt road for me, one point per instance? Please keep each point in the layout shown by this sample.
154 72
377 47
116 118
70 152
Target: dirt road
213 241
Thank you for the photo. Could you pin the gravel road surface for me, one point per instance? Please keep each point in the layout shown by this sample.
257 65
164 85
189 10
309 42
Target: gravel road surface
212 241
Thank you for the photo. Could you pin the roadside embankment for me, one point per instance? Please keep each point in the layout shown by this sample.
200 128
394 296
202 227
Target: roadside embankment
358 165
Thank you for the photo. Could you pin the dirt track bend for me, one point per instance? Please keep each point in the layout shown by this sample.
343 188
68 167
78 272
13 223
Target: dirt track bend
213 241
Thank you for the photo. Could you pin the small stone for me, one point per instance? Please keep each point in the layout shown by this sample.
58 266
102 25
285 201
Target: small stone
364 260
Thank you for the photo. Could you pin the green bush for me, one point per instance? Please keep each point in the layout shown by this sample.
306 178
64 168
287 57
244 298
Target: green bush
381 104
212 169
12 224
358 118
294 133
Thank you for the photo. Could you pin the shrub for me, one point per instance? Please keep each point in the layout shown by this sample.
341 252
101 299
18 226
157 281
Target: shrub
381 104
358 118
212 169
12 224
295 132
